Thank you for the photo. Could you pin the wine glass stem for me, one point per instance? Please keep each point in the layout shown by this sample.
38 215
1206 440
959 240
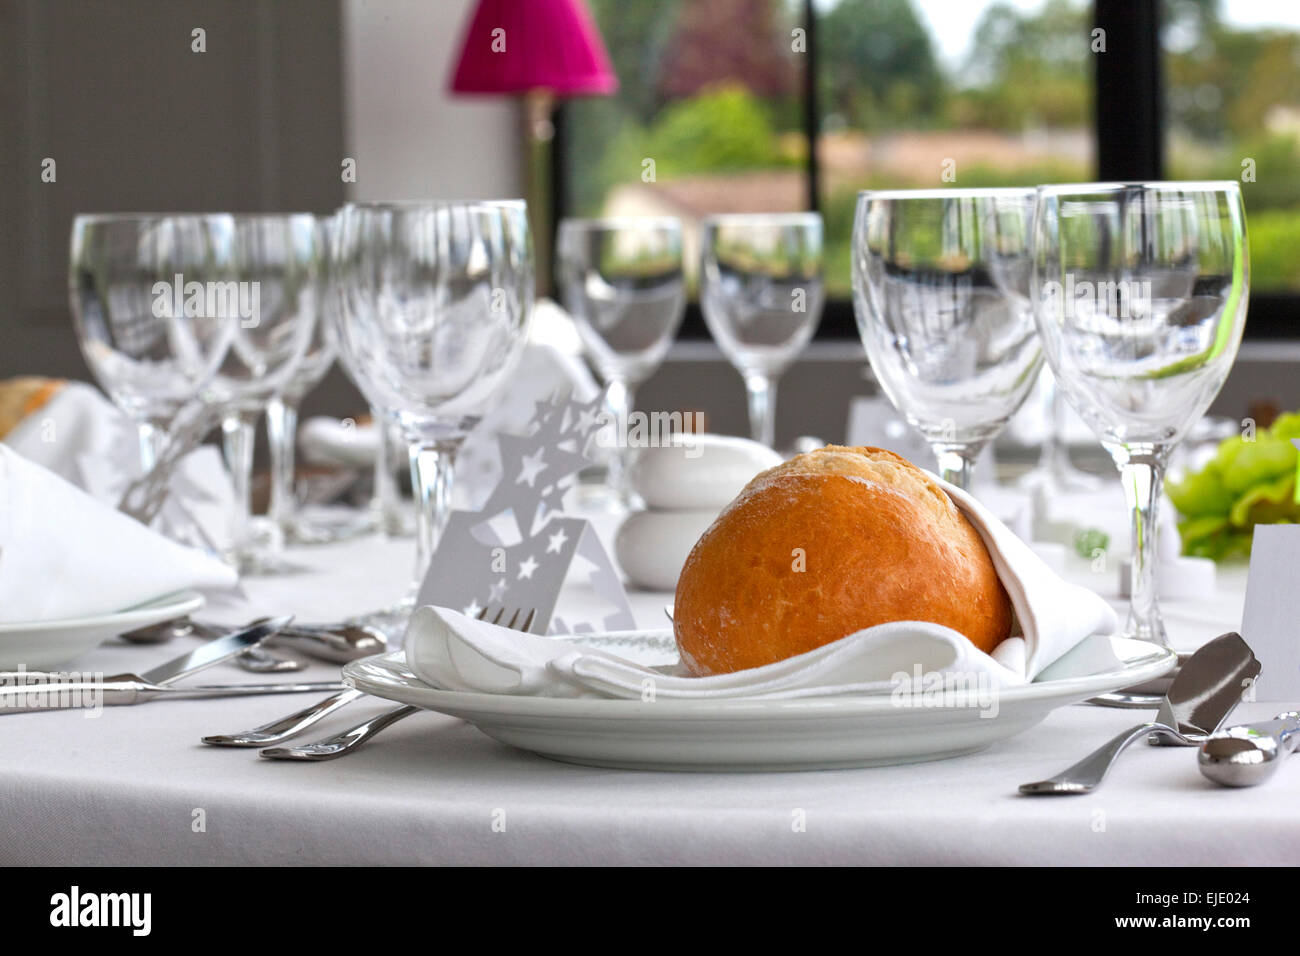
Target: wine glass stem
281 432
432 469
620 400
761 390
153 436
956 464
237 442
1142 468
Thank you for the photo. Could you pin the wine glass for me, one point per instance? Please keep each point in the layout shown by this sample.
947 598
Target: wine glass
622 281
1139 292
148 304
761 294
434 301
282 420
940 292
278 260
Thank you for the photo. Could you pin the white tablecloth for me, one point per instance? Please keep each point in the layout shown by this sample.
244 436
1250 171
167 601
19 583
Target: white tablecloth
135 786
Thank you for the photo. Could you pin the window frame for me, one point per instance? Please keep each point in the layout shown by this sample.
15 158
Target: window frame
1128 122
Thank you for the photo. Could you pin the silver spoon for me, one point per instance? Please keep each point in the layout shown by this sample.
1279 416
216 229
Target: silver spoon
337 643
1199 700
1249 754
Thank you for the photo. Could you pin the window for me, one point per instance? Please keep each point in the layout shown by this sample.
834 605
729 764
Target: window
1232 74
721 100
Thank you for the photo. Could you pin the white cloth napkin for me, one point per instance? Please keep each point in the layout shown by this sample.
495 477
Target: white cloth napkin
449 650
63 554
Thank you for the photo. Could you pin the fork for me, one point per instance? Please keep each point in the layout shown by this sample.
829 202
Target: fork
352 738
294 724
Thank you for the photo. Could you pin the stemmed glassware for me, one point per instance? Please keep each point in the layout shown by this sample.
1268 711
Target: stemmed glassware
1054 473
434 300
278 265
622 281
761 293
147 304
282 419
1139 293
940 292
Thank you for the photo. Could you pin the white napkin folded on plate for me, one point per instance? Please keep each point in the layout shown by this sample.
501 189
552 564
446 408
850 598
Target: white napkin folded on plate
65 555
451 651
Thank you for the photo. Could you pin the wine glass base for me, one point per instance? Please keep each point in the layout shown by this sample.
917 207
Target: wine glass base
391 621
1146 696
1061 481
310 529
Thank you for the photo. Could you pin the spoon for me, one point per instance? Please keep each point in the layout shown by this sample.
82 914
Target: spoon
1208 686
1249 754
336 643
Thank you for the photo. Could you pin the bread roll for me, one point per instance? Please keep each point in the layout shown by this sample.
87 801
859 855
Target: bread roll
827 544
20 397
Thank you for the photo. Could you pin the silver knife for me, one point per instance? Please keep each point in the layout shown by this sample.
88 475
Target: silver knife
24 691
1249 754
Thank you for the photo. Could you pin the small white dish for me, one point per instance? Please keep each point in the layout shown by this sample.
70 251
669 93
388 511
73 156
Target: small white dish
43 645
758 735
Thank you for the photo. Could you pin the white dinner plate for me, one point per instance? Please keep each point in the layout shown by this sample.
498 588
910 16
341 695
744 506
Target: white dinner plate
749 735
42 645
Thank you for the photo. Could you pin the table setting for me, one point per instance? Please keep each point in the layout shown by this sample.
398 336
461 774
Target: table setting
634 640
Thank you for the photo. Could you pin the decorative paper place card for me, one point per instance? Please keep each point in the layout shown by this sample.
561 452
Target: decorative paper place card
1269 621
519 551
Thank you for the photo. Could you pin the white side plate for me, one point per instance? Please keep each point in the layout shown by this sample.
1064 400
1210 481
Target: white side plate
43 645
749 735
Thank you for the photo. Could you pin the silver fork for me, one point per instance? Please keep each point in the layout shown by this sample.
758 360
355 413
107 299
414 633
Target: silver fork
353 737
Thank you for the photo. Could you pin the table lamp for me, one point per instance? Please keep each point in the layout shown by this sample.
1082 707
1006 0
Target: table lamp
543 50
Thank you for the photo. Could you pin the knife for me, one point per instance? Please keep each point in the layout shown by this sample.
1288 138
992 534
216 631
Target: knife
22 691
1249 754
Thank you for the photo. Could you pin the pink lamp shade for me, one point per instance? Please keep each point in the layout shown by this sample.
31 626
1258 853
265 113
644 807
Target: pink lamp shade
515 46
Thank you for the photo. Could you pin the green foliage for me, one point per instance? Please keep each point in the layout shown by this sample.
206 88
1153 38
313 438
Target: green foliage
1274 241
1247 482
724 128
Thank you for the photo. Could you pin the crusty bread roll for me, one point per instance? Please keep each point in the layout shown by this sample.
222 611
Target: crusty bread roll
19 397
827 544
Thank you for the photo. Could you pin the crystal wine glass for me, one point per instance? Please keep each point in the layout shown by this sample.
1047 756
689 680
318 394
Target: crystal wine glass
622 281
434 301
278 264
282 421
150 310
1139 292
940 291
761 294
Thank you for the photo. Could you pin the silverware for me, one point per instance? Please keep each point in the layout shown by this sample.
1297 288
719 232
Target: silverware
336 643
1205 691
258 660
45 690
343 743
1143 696
352 738
1249 754
285 727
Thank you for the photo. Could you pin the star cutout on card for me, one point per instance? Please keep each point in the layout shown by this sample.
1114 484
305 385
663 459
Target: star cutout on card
498 590
556 541
472 610
590 418
532 466
527 567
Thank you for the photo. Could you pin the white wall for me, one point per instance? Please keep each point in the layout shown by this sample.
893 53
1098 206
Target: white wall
410 137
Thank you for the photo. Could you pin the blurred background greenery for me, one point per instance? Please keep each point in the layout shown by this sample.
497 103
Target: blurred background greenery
922 93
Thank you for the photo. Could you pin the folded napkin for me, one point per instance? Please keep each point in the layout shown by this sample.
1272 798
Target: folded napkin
64 554
449 650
